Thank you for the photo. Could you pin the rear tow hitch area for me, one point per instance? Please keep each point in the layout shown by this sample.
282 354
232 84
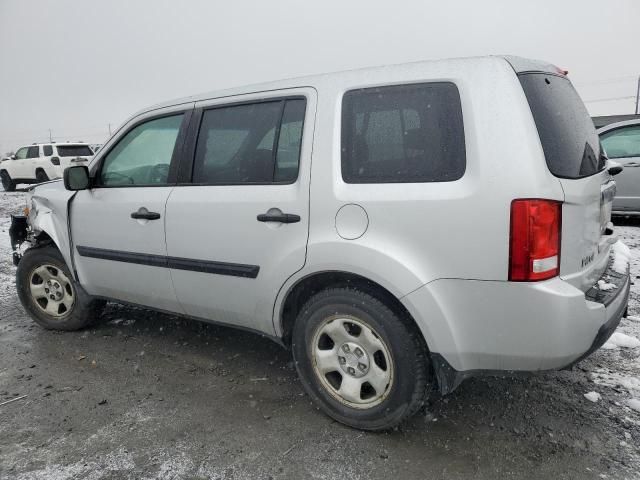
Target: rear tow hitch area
18 235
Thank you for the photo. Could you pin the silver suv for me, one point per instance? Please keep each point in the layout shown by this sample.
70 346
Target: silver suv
398 228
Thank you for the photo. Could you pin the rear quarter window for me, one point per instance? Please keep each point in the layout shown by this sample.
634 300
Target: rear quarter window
567 134
403 134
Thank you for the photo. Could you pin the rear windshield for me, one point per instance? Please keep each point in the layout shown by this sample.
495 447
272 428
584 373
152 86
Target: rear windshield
74 151
569 139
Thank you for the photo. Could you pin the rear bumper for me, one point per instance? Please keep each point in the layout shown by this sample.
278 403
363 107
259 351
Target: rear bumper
490 327
616 306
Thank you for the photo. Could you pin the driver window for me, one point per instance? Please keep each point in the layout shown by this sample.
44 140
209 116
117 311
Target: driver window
143 155
22 153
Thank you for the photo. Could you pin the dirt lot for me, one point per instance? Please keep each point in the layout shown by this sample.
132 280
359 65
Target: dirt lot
145 395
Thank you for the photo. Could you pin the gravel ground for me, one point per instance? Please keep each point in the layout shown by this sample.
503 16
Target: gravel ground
146 395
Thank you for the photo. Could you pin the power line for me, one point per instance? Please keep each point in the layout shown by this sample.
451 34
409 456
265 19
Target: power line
604 82
610 99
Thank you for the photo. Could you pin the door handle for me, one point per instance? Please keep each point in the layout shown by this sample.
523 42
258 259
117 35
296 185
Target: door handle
144 214
276 215
631 164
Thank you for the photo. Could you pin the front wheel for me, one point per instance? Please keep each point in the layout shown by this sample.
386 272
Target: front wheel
362 363
49 293
7 183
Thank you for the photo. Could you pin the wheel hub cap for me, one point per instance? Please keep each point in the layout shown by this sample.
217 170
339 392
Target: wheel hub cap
353 359
51 290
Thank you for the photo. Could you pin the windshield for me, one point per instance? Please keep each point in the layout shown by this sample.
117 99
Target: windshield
74 151
568 136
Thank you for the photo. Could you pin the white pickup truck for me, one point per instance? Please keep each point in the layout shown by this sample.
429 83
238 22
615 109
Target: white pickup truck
38 163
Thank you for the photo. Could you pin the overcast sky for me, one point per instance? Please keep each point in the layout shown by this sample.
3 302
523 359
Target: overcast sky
74 66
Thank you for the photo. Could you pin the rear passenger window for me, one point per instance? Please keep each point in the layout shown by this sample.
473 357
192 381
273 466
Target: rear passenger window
33 152
403 134
254 143
48 150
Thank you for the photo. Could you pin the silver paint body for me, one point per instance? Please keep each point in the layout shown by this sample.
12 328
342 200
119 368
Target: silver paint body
442 249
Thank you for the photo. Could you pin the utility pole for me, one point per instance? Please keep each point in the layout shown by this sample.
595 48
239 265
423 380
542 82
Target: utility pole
50 137
638 97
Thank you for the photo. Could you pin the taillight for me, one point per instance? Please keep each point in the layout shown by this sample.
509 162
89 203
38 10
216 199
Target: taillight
55 160
534 250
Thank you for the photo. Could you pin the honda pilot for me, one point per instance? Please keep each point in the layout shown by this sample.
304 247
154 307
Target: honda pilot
398 228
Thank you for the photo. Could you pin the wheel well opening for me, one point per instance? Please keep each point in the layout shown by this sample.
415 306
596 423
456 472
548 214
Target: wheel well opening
43 238
313 284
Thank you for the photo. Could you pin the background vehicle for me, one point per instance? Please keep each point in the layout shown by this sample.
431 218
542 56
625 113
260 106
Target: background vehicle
426 241
621 142
38 163
604 120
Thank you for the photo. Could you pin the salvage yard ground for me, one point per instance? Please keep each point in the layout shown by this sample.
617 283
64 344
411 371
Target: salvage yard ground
147 395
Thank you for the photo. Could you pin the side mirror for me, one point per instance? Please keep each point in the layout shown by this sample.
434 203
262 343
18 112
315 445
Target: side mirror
77 178
12 157
614 168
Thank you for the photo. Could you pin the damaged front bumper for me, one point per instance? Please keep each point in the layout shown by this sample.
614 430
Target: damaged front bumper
18 234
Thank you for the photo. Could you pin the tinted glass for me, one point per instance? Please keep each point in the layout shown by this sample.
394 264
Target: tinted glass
402 134
143 155
33 152
22 153
568 136
48 150
74 150
622 142
236 144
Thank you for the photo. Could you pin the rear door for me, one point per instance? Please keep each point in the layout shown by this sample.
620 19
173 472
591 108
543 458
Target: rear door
572 152
623 145
117 227
237 225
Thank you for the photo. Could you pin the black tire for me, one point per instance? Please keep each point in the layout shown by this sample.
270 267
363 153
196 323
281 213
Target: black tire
83 308
7 183
41 176
411 371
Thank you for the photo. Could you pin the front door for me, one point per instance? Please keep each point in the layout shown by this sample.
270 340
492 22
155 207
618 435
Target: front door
623 146
117 227
237 227
20 166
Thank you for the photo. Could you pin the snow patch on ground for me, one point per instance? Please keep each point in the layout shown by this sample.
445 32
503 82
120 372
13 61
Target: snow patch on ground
592 396
616 379
634 403
621 340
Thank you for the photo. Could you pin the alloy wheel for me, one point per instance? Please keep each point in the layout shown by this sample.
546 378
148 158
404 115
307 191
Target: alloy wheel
352 361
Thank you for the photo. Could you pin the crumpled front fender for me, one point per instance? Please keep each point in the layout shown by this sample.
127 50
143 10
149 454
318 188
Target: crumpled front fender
48 216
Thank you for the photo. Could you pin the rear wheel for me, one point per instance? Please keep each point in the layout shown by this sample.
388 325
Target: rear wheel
49 293
41 176
362 363
7 183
